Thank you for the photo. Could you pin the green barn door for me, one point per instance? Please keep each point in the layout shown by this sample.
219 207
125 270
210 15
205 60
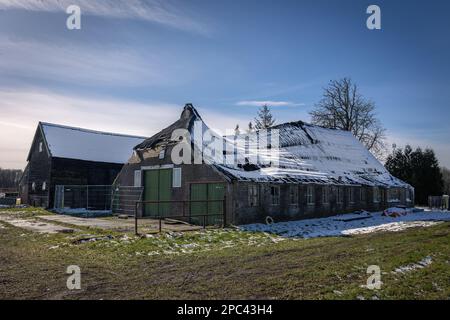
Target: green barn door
203 192
216 191
165 190
199 191
157 186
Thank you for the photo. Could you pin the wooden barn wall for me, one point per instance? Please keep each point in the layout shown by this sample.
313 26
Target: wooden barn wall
38 173
286 210
194 173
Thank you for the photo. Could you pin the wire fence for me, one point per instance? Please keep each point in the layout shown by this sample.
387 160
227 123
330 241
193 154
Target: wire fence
82 198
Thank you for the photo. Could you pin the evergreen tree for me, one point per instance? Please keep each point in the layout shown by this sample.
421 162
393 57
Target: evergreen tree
264 119
418 168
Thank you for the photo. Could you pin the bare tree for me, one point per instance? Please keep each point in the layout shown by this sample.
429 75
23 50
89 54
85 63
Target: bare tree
343 107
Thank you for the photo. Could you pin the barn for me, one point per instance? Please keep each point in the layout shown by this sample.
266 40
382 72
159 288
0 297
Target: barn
307 171
62 155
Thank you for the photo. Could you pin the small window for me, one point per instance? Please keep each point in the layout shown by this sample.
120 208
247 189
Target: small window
253 197
393 195
376 194
176 183
408 195
340 195
310 195
351 195
162 154
40 146
33 186
137 178
44 186
362 194
325 195
275 195
293 195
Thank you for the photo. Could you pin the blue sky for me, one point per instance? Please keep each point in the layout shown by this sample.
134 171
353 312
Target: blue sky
134 64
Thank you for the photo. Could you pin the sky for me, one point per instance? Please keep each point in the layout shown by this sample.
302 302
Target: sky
134 64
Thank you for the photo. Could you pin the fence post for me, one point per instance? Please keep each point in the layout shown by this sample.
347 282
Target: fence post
136 218
224 211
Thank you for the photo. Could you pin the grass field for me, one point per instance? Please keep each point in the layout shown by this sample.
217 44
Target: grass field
221 264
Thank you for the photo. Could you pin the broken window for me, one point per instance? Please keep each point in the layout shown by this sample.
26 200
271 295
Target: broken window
275 195
253 196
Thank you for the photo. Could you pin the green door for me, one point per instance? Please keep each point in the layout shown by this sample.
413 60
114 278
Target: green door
157 187
216 191
199 191
214 209
165 191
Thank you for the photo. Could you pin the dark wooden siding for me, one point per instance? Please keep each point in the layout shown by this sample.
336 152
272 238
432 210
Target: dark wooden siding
38 172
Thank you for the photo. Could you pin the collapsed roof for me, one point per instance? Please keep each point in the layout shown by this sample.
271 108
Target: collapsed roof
304 153
88 145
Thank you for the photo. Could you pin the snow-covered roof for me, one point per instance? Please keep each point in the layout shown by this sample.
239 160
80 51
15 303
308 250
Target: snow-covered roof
89 145
310 154
306 153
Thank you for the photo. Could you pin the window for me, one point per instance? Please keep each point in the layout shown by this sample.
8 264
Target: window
393 195
137 178
310 195
162 154
325 195
293 195
408 195
351 195
376 195
362 194
40 146
44 186
33 186
253 197
176 178
275 195
340 195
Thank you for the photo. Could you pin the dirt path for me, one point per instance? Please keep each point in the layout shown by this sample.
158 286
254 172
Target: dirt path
35 225
118 224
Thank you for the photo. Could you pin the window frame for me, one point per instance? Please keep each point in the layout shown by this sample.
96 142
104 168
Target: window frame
325 195
293 195
253 195
310 201
273 197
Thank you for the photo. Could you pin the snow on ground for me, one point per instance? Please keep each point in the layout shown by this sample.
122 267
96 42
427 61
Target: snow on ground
414 266
350 224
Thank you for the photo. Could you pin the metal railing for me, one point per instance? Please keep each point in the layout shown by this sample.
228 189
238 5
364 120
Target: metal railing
203 217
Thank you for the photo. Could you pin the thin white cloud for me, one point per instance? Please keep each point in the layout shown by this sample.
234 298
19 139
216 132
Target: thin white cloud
260 103
83 64
21 110
162 12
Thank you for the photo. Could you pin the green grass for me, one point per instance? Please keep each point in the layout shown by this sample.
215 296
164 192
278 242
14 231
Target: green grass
223 264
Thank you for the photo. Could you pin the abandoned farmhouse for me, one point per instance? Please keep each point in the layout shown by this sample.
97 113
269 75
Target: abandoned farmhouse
309 171
62 155
319 172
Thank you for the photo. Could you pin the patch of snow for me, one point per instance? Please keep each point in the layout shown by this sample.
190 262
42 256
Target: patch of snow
414 266
336 226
